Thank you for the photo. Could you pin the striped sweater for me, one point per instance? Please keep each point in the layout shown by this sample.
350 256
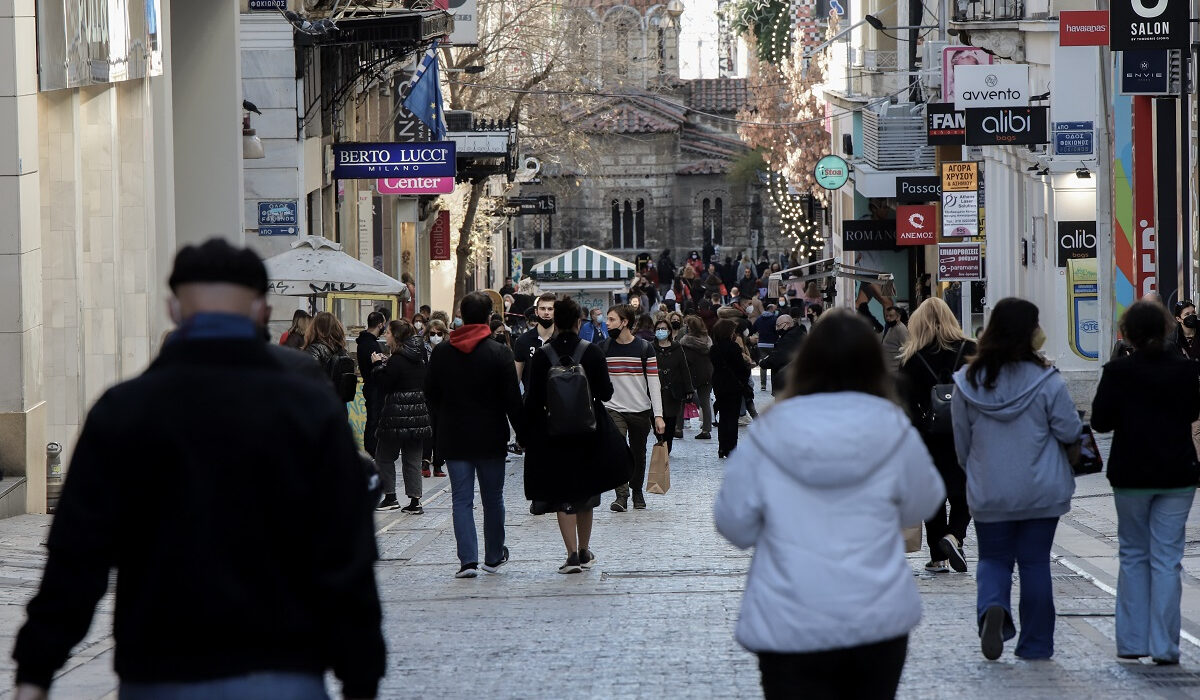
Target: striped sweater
634 390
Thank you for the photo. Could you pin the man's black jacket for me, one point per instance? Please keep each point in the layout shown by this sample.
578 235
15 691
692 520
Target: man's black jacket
225 490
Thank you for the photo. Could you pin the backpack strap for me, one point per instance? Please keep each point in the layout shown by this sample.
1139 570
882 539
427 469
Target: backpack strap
577 356
552 354
936 378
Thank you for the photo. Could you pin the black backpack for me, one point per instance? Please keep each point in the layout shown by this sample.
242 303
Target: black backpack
569 408
345 381
937 420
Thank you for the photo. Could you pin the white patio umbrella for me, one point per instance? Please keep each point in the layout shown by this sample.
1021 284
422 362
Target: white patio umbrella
317 265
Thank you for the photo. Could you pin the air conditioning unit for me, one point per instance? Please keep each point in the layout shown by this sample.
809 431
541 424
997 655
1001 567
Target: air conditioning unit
931 55
460 120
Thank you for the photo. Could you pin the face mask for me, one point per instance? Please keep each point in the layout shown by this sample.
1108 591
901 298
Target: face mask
783 331
676 325
746 333
1039 338
507 305
420 327
435 339
614 331
545 322
457 322
662 334
1192 322
890 324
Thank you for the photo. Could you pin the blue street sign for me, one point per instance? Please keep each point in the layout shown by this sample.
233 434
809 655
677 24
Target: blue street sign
278 231
369 161
268 5
1074 139
277 213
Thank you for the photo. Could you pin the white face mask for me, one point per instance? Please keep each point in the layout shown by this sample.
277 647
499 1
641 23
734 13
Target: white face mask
420 327
435 339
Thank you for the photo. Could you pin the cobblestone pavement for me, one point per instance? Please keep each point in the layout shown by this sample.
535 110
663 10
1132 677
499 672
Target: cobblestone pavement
655 617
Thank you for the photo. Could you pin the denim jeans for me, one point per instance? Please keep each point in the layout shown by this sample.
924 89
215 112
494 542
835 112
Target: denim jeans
1027 543
491 495
1150 532
263 684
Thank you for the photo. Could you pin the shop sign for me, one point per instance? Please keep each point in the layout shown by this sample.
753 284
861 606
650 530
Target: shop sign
466 21
1162 25
1083 27
1004 85
868 234
1076 241
960 214
371 161
1006 126
960 176
831 172
415 185
960 262
1074 138
944 125
272 5
916 224
1145 72
918 190
439 237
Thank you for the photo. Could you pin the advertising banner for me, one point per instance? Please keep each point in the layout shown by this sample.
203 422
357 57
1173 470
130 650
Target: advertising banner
960 176
959 262
831 172
1144 72
1162 25
991 86
960 56
1083 308
916 224
439 237
466 21
1006 126
414 185
1076 241
371 161
1083 27
868 234
944 125
960 214
918 190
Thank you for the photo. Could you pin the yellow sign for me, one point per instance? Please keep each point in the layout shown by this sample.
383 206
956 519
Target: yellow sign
960 176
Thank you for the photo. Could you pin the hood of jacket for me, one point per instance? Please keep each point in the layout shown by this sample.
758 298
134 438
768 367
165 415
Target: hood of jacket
412 349
1016 387
817 439
467 338
701 343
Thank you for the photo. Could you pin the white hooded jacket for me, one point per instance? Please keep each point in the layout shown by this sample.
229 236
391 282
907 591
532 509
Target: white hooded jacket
823 501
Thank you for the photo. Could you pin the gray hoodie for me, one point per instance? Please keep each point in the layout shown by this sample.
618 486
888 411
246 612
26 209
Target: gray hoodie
1010 442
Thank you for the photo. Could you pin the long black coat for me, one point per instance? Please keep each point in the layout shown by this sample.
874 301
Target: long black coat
566 469
731 374
1149 400
915 382
674 377
786 347
400 381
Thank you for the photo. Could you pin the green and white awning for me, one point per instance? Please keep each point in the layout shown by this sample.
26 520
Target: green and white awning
582 264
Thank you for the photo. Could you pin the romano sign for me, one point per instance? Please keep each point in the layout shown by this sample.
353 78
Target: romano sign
1161 24
991 86
1006 126
868 234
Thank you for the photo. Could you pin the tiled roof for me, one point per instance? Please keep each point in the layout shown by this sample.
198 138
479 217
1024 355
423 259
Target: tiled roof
707 144
633 114
708 166
718 94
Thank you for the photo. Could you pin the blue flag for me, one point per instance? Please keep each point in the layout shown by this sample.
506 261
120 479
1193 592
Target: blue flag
425 96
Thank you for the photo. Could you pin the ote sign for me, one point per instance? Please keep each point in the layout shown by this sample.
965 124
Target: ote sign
1163 24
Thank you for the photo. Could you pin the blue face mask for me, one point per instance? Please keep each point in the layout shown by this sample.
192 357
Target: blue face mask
457 322
662 334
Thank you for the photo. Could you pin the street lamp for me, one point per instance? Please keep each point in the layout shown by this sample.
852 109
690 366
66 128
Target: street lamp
675 9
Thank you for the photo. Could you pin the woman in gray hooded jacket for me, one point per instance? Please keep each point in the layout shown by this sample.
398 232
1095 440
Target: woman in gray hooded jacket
1012 418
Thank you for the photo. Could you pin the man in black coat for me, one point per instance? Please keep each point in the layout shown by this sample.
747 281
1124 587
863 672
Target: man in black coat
367 345
789 336
209 594
471 390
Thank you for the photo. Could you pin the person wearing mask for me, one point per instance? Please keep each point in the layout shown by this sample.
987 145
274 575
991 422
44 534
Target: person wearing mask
830 599
636 404
404 424
471 389
293 337
593 329
675 319
420 321
1149 401
731 374
788 339
599 460
764 329
431 461
895 335
209 601
1183 339
714 285
367 345
696 347
1012 416
935 350
528 342
675 378
695 262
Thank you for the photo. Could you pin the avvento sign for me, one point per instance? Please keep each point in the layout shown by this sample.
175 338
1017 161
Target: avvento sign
1149 24
1006 126
991 86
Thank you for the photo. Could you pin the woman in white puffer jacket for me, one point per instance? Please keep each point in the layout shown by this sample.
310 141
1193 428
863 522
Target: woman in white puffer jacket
821 486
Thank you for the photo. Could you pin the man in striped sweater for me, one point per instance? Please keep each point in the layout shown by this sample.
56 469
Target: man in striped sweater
636 404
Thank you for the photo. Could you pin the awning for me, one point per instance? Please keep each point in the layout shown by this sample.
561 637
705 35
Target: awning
317 265
582 264
871 182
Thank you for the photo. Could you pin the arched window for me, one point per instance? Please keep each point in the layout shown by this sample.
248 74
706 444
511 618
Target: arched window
616 224
639 225
628 223
712 221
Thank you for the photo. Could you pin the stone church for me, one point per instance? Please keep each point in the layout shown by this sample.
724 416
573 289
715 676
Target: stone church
663 173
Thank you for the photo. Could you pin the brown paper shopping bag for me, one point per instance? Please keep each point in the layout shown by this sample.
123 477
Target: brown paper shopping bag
659 479
912 539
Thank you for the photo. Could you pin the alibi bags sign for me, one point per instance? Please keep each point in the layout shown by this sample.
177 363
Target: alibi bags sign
1006 126
1149 24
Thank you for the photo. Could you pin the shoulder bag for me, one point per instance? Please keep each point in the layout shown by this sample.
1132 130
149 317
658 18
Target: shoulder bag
937 419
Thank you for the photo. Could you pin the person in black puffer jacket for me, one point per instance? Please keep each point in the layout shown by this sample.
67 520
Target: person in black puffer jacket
404 423
675 378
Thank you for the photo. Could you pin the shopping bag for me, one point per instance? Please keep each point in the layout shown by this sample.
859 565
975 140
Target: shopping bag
1084 455
659 479
690 411
912 539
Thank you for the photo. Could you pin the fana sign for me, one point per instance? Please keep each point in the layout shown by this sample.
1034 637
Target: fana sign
370 161
1076 241
918 190
1074 138
279 213
959 262
414 185
1163 24
439 236
991 86
916 224
831 172
1083 27
1006 126
868 234
944 125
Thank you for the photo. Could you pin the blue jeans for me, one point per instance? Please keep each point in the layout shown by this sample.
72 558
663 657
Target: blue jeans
264 684
1150 531
1027 543
491 496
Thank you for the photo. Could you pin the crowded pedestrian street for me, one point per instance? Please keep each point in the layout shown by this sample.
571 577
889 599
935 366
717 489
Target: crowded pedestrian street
654 618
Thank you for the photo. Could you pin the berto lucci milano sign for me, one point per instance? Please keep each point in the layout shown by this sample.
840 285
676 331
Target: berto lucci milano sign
370 161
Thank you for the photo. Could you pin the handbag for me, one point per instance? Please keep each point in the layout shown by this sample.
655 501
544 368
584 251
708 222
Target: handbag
1084 454
937 419
690 410
659 478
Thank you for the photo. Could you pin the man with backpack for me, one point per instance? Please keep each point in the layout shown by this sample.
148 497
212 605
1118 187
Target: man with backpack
636 404
471 390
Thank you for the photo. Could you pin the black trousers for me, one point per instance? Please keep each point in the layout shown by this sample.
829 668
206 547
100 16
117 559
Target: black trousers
670 422
867 672
954 522
372 399
728 407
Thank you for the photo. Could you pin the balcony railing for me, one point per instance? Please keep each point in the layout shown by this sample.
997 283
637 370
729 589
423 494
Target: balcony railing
988 10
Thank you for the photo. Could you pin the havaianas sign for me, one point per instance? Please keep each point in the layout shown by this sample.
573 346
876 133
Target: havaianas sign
370 161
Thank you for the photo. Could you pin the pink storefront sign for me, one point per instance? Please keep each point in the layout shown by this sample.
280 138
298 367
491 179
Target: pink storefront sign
415 185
